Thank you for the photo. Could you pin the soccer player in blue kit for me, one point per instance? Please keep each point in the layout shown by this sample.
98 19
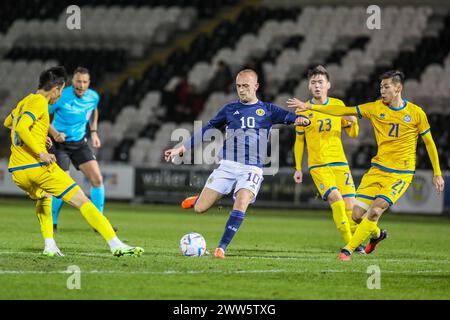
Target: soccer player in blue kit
248 121
71 113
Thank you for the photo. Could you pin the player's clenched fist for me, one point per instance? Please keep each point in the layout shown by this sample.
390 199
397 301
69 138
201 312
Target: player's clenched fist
302 121
298 176
60 137
96 143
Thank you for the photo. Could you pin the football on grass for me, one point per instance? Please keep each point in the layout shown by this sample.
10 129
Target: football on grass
193 245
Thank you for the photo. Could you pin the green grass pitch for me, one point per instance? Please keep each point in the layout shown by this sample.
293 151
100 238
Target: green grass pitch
277 254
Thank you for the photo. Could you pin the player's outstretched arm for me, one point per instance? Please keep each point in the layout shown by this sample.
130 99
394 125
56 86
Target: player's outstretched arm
334 110
218 121
171 153
299 147
438 181
279 115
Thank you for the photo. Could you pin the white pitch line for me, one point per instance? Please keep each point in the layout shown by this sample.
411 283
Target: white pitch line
167 272
187 272
318 258
328 258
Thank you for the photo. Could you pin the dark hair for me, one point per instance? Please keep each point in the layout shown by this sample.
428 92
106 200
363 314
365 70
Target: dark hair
396 76
319 69
50 78
81 70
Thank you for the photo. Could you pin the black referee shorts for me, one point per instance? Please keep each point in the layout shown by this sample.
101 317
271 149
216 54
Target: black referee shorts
77 152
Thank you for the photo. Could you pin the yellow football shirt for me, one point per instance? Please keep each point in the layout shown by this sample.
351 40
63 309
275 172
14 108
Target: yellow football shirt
323 136
396 132
34 106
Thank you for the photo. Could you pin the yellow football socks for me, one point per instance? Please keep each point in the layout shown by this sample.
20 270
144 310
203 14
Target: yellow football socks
341 220
44 214
352 223
364 229
97 221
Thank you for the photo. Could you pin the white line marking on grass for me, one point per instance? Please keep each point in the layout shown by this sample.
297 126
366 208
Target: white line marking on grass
325 257
38 253
187 272
167 272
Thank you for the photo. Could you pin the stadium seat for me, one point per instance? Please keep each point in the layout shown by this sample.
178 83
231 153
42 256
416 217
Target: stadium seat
282 41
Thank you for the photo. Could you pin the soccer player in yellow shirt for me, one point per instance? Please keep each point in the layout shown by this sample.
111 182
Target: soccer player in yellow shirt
35 171
327 162
397 124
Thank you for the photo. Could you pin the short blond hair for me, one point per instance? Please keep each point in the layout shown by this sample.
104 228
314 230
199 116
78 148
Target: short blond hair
251 71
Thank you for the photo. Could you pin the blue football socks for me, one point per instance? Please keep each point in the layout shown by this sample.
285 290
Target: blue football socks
232 226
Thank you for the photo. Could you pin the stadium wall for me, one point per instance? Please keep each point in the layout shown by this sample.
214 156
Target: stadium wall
171 184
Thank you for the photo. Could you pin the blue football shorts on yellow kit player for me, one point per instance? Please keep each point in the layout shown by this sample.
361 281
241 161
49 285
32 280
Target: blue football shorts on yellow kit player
37 181
378 183
329 178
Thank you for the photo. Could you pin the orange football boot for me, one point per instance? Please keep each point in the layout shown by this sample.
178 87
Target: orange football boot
189 202
219 253
374 242
344 255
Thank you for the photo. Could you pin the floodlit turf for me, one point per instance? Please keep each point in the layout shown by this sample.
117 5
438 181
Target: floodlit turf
277 254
